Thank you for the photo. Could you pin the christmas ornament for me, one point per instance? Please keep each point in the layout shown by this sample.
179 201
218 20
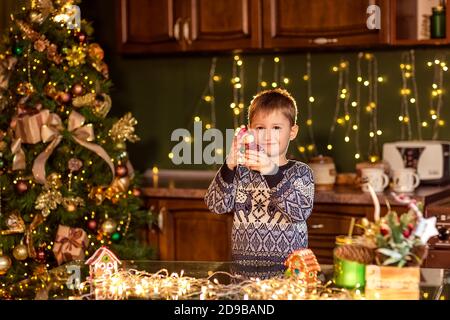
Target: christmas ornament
92 224
71 203
121 171
40 45
54 181
15 224
81 36
124 129
20 252
101 103
25 88
137 192
17 50
102 68
70 244
40 254
75 56
41 9
96 52
64 97
116 237
50 91
7 65
77 89
109 226
5 263
21 186
48 200
53 55
75 164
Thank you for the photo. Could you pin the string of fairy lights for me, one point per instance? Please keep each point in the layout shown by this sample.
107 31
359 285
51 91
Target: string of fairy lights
436 98
311 144
353 110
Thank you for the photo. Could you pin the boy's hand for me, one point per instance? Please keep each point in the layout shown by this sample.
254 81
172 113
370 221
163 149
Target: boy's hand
260 161
232 158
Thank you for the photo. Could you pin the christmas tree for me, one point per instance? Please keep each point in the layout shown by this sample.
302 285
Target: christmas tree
66 184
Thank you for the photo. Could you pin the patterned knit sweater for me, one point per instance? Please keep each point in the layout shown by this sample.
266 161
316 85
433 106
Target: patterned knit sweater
270 214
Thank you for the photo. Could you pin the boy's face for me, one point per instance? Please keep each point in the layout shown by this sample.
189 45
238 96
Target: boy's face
273 131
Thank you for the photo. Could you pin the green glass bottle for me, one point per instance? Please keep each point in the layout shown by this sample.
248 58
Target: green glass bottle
437 24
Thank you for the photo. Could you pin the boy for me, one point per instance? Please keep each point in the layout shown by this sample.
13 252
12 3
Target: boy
271 197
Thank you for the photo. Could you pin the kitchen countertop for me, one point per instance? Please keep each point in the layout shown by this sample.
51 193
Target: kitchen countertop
193 185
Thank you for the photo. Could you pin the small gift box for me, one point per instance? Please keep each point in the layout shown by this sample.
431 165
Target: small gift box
70 244
28 126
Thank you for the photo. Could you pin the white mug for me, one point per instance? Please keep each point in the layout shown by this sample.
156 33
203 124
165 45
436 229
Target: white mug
376 178
405 180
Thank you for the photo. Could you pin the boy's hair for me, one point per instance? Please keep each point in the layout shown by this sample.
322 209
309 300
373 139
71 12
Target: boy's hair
272 100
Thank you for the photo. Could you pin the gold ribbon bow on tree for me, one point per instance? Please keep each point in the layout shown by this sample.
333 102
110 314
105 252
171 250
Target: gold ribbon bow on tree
19 162
81 134
16 224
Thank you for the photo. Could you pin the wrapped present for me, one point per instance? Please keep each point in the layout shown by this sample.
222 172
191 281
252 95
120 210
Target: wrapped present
70 244
28 126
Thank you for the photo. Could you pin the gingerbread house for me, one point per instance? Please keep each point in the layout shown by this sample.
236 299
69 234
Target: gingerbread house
102 263
303 264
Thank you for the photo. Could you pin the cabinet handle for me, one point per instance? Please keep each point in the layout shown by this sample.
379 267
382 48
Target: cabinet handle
317 226
186 31
323 40
161 218
176 29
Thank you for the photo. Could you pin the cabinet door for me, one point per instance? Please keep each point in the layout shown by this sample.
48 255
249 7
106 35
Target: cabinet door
306 23
190 232
222 25
149 26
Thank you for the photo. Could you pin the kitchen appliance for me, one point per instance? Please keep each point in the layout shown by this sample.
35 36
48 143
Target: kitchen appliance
430 158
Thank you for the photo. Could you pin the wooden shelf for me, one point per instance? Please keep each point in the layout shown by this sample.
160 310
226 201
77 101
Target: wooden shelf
404 25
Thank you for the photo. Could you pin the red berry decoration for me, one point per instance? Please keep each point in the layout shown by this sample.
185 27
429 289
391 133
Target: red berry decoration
406 233
121 171
384 231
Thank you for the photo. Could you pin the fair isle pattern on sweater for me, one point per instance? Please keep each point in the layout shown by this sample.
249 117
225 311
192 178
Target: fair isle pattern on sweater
269 223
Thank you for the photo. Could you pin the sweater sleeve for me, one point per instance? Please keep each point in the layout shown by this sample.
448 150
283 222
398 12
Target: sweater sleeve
296 197
221 193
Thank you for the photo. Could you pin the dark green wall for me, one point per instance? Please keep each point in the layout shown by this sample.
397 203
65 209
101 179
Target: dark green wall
162 92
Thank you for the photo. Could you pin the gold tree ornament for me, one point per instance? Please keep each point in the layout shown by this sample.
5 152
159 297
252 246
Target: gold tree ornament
71 203
20 252
100 103
123 129
41 9
5 263
48 200
75 56
109 226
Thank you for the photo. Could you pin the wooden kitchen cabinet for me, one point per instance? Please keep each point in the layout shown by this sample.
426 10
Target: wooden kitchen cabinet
164 26
187 230
149 26
305 23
